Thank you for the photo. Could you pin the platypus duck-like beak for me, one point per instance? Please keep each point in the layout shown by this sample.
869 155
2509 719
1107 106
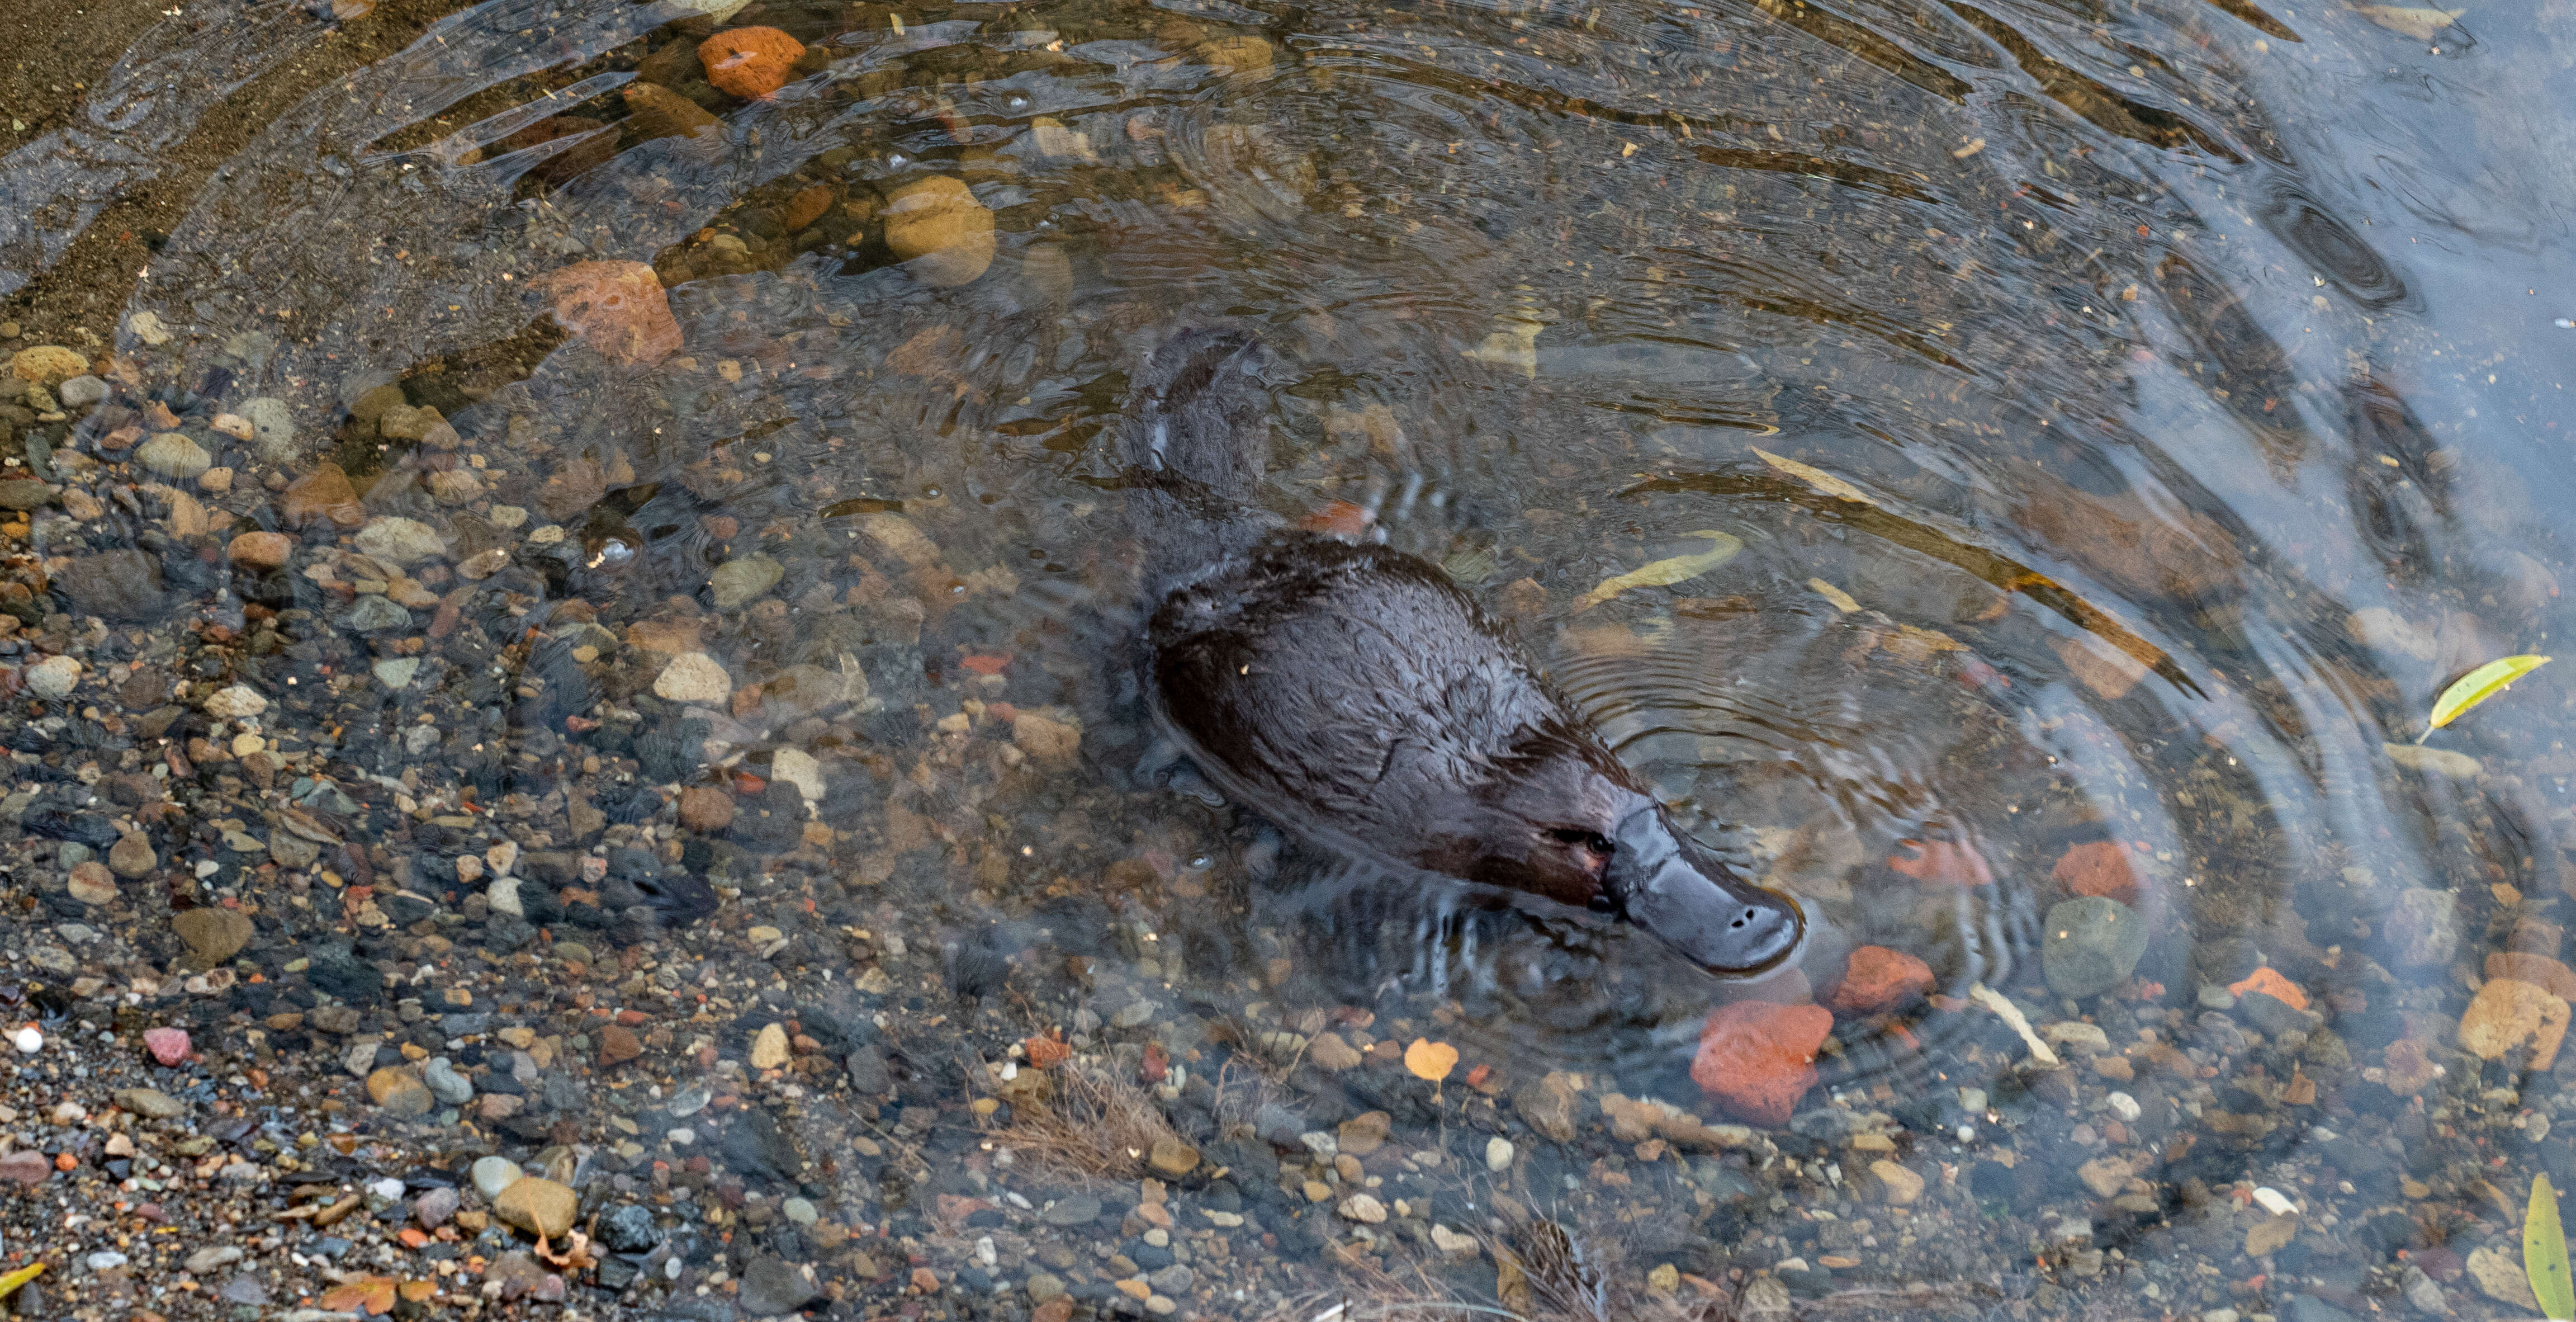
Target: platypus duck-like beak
1673 886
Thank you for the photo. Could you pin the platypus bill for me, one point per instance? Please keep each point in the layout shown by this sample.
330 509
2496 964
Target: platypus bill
1359 699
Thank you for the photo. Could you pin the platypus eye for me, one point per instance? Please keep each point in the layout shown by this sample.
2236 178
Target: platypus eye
1576 835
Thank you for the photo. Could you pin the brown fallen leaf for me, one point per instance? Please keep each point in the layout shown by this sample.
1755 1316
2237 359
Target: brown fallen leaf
375 1294
2421 24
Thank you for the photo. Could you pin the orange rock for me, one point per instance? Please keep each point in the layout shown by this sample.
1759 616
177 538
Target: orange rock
806 207
925 1281
617 308
2268 980
750 62
2098 869
1339 518
1942 862
1877 978
2539 970
1046 1052
1757 1059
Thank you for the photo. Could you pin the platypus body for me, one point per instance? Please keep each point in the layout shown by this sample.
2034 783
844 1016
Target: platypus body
1357 698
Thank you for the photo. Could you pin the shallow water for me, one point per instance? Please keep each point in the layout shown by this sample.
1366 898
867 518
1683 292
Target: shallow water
2132 416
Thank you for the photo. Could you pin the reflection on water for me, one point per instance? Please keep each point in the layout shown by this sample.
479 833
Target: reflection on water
2132 417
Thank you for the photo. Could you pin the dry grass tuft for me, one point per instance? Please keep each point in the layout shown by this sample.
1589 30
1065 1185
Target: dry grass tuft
1093 1123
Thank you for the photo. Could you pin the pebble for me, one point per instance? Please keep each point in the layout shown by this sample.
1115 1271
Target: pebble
1172 1158
169 1046
769 1048
693 677
47 364
491 1175
445 1083
772 1286
53 678
800 1211
81 391
2423 927
260 550
172 454
398 1090
234 702
92 884
29 1040
395 672
1363 1208
324 494
1757 1059
116 585
795 766
537 1205
937 226
1079 1210
1878 978
1498 1154
434 1206
104 1260
738 583
749 62
212 935
272 427
2090 945
131 856
706 809
620 309
400 542
151 1102
209 1259
1897 1184
26 1166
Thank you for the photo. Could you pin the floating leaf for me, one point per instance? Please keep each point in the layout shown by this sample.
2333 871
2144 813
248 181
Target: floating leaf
1843 601
1665 573
2544 1252
1430 1060
372 1293
2477 686
1817 478
2421 24
9 1284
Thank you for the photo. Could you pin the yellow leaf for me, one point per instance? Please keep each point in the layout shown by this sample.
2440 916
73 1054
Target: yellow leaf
1430 1060
9 1284
2477 686
2544 1253
2421 24
1842 600
1817 478
1665 573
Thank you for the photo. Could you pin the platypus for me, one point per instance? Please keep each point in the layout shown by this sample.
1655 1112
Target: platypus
1359 699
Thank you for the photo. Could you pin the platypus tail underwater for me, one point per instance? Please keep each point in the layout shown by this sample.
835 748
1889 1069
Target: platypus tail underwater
1361 700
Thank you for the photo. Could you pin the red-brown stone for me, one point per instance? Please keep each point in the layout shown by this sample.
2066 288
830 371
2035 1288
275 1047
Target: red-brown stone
1941 862
1757 1059
2100 868
750 62
1877 978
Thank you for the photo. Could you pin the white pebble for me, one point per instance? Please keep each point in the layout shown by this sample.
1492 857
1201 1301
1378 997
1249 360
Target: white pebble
1498 1154
30 1039
2274 1201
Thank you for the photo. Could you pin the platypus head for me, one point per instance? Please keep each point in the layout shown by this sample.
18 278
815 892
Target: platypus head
1570 824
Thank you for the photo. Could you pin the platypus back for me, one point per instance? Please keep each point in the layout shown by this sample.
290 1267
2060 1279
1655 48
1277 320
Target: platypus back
1358 698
